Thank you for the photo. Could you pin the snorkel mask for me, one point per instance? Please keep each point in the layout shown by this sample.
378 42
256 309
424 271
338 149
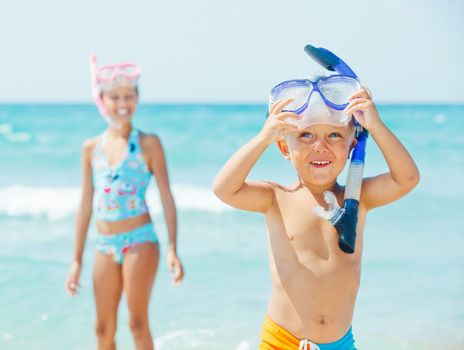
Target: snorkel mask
322 102
317 102
106 78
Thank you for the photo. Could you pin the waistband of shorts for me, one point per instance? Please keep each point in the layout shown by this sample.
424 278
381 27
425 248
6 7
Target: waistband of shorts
344 343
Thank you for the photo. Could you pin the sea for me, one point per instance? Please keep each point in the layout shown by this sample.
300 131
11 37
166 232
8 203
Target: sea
412 286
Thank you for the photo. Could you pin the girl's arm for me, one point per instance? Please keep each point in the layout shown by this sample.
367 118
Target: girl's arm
403 176
84 214
157 165
230 184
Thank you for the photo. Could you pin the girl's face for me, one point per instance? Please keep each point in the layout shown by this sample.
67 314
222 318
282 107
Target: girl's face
121 103
319 152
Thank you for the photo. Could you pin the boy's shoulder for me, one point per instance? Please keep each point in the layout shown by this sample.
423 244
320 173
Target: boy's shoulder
280 192
284 188
298 191
279 187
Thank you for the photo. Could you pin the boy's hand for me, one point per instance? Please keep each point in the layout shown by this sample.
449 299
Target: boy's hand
175 268
276 124
363 109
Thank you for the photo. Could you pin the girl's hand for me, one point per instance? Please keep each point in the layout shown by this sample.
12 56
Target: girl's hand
363 109
72 281
175 268
276 124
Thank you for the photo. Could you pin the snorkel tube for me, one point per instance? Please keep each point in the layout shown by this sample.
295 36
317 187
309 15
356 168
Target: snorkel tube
96 92
344 219
95 87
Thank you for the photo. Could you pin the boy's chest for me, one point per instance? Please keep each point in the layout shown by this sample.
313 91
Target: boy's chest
295 215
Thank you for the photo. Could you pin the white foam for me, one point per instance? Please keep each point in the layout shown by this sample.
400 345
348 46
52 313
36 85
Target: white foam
243 345
196 198
5 129
187 334
54 203
18 137
57 203
440 118
7 336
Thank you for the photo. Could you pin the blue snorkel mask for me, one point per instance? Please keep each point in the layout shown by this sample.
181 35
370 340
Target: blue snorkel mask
322 102
317 102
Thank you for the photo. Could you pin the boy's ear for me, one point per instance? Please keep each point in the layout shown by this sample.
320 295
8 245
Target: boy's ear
353 144
283 147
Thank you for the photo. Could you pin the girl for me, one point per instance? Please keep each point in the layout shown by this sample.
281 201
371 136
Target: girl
117 167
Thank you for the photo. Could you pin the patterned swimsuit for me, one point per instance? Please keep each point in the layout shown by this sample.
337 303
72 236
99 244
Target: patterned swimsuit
119 195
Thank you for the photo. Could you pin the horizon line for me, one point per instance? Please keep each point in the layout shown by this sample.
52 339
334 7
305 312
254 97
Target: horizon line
223 103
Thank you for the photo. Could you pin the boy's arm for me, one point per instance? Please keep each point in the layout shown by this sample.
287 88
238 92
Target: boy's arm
230 184
403 176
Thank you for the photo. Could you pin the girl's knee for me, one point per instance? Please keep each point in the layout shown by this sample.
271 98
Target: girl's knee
139 327
105 330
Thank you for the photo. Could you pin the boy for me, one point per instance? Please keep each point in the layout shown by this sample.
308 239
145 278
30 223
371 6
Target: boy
314 283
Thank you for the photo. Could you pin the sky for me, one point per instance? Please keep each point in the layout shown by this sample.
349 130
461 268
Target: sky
201 51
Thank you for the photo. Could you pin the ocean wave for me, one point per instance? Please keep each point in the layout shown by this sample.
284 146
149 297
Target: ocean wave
18 137
191 339
56 203
189 336
440 118
7 131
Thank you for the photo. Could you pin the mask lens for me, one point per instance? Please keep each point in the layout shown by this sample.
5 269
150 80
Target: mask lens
128 69
106 73
337 89
299 92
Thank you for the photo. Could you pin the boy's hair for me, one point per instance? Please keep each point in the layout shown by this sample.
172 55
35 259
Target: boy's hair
320 73
352 126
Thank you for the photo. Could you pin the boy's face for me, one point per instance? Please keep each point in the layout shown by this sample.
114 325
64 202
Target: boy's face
319 152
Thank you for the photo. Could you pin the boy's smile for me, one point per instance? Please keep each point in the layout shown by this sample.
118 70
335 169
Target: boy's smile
320 163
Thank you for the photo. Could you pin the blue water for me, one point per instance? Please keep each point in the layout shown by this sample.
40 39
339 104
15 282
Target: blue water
412 291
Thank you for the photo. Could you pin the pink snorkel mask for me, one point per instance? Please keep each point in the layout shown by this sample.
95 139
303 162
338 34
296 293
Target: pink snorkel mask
107 77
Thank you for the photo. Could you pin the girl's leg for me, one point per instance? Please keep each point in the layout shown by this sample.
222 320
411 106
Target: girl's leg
139 271
107 282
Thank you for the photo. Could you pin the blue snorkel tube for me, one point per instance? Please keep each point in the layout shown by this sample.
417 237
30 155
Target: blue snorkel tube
344 219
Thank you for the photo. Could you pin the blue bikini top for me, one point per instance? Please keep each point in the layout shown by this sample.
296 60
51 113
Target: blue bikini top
120 191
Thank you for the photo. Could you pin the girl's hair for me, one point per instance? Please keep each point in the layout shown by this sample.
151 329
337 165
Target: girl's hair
136 89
